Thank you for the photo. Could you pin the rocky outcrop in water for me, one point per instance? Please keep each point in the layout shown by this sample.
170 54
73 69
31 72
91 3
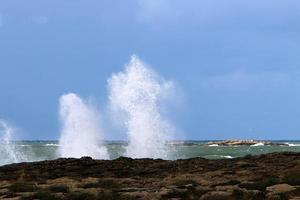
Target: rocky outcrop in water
244 143
270 176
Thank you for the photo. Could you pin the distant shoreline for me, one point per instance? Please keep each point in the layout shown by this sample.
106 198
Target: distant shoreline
214 140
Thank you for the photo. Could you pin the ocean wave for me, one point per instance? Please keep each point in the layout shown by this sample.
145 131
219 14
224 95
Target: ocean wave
213 145
52 145
292 145
229 157
258 144
220 156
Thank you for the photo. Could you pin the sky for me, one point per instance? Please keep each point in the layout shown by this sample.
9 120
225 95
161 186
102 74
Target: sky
236 63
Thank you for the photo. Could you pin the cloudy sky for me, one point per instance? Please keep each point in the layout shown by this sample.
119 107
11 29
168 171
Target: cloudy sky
236 63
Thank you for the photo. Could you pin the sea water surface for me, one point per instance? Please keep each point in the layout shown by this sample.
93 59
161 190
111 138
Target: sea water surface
29 151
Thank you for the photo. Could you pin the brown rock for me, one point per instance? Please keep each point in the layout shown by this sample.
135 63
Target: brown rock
217 195
280 189
250 177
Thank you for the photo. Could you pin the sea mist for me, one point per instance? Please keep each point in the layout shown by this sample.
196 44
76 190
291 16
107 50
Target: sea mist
137 93
80 134
8 151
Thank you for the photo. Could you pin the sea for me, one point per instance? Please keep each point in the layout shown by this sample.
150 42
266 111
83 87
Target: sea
29 151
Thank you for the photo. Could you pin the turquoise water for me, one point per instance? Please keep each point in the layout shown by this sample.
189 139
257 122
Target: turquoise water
28 151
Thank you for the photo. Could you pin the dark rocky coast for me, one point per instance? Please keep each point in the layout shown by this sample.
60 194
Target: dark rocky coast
270 176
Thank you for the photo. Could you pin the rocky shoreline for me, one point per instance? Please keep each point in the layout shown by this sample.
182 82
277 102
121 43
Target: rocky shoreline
269 176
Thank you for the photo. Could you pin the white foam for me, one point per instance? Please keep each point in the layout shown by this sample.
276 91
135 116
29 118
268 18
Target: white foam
137 92
52 145
80 134
292 145
9 152
258 144
220 156
229 157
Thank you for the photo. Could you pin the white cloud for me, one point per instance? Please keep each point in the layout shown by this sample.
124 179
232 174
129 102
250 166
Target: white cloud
243 80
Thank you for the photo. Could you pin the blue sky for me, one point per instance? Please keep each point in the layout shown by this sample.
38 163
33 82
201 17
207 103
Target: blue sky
236 62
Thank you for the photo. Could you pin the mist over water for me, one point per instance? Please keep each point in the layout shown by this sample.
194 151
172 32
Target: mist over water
137 95
8 151
137 92
80 134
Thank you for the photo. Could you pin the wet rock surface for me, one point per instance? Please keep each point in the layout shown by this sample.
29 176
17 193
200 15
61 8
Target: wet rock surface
269 176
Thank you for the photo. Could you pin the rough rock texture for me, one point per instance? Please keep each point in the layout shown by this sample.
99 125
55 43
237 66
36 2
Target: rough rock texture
270 176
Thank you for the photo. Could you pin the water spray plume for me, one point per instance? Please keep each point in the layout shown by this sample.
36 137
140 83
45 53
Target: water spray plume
81 134
9 154
137 92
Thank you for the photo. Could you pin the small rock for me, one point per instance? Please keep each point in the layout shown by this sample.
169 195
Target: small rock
164 192
226 188
280 189
216 195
